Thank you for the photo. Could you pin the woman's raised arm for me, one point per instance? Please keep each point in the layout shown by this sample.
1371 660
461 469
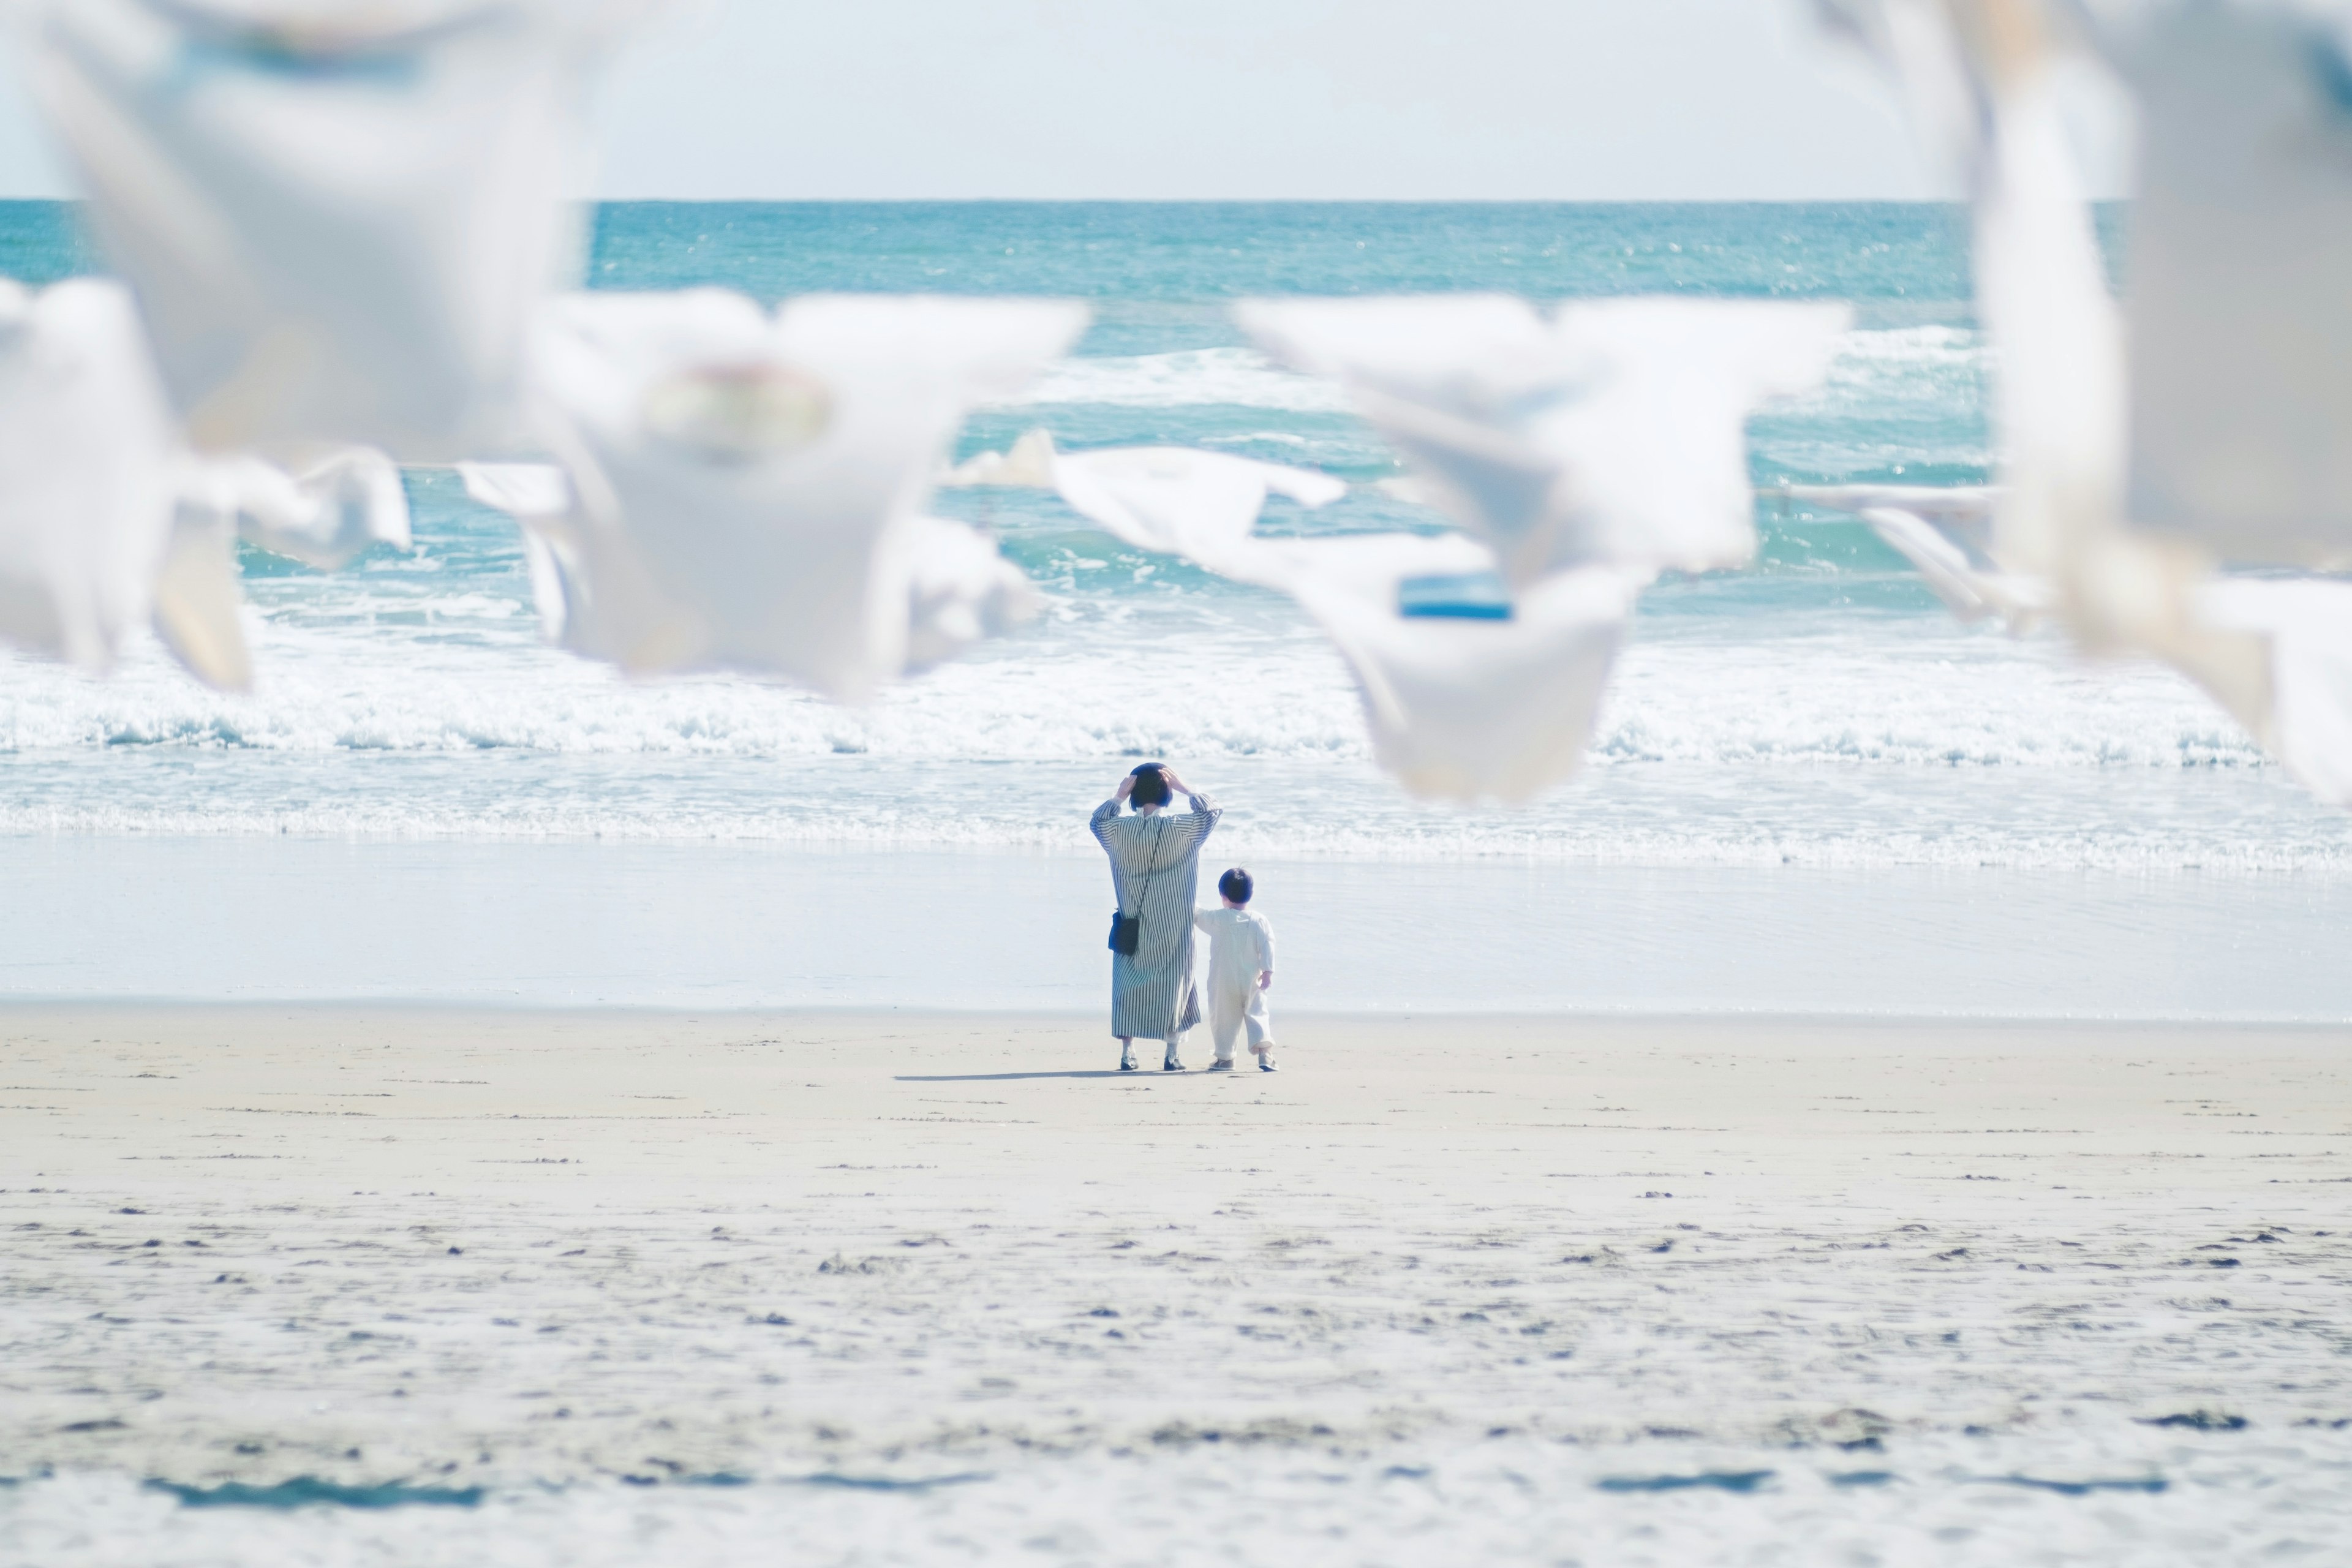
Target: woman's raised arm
1203 815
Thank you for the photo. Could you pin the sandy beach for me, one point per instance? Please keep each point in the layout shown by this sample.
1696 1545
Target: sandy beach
934 1287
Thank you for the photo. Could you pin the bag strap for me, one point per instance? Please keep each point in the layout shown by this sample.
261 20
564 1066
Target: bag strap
1160 831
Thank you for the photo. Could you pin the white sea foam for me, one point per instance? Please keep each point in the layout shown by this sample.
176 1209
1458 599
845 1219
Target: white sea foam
1887 744
1874 368
1887 700
1057 827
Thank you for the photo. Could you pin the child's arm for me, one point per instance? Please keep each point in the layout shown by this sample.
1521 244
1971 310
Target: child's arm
1265 954
1201 919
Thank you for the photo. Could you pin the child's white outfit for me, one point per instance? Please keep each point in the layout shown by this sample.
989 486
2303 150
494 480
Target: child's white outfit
1241 947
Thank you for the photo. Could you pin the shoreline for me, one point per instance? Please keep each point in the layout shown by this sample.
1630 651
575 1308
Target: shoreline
667 926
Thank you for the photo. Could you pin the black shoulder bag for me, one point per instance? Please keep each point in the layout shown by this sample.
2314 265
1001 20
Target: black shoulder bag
1126 930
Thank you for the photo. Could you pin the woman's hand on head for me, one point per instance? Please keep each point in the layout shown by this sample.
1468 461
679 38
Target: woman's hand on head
1126 788
1175 786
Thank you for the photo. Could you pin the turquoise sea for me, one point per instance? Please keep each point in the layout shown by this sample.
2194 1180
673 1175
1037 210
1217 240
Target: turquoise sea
1815 716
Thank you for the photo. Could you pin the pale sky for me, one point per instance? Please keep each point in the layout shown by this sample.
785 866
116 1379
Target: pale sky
1567 99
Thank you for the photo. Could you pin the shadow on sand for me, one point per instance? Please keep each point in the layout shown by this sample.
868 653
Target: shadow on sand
1008 1077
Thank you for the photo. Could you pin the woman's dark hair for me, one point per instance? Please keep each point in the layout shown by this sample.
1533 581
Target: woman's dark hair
1150 785
1236 885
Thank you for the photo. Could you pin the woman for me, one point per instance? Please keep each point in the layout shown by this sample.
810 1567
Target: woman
1154 867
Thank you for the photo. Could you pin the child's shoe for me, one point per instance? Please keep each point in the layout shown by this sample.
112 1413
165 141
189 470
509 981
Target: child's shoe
1222 1065
1266 1062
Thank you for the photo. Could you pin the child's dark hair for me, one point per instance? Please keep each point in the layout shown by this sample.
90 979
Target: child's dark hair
1150 785
1236 885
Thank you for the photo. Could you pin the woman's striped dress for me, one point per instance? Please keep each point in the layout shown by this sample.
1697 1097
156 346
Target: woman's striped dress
1155 870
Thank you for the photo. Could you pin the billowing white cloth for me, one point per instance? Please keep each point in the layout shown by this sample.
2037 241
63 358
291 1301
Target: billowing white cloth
1982 86
88 463
198 600
595 597
748 489
1982 74
2241 245
593 591
1496 704
2060 399
338 218
960 590
1203 506
1964 510
1028 464
1611 433
1464 707
323 514
2304 631
1944 535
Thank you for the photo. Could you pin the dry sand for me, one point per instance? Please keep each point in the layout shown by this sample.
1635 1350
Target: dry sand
1553 1289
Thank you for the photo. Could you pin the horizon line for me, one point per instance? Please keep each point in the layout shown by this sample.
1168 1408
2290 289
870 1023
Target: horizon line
1229 201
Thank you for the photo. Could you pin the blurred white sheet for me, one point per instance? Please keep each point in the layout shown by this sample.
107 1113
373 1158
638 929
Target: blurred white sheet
748 490
1203 506
1613 433
1945 535
1980 79
592 589
1982 76
1463 707
338 218
89 459
323 515
1470 691
2305 628
2241 245
960 590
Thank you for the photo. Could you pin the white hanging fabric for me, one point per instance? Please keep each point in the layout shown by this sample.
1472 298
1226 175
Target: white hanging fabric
747 490
2303 627
323 514
88 460
323 517
1203 506
1469 692
1982 76
592 589
1613 433
106 522
960 590
338 218
2241 243
1483 705
1945 535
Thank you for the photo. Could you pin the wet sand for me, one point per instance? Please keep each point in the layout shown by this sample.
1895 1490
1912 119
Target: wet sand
1509 1276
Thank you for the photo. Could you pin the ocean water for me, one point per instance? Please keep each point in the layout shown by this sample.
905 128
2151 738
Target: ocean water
1817 712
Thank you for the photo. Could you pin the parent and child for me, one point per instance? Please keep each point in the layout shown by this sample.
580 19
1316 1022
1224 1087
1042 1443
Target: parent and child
1155 870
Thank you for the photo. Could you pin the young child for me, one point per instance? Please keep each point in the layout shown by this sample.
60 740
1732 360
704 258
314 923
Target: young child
1241 967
